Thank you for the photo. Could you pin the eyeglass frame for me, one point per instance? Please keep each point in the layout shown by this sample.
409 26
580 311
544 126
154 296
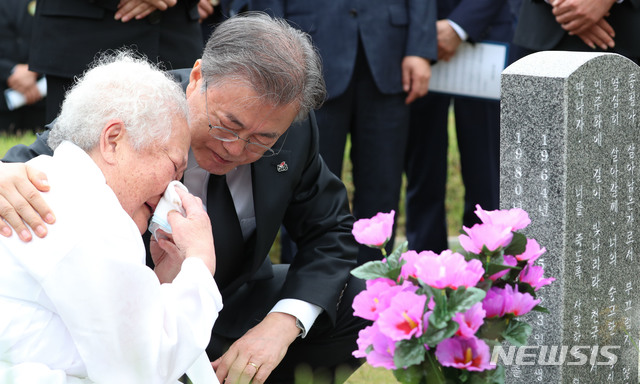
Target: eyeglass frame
269 152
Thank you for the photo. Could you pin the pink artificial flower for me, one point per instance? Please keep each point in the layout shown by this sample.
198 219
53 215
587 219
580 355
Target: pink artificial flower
383 348
491 236
411 258
449 269
374 232
532 274
376 298
532 251
508 260
501 301
470 321
471 353
522 302
497 302
515 218
403 318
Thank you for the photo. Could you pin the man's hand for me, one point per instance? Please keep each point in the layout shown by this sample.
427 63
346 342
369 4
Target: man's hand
255 355
600 34
20 200
448 40
139 9
191 237
205 9
22 79
416 72
576 16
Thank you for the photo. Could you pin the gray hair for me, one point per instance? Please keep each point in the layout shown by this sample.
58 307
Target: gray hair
120 85
278 61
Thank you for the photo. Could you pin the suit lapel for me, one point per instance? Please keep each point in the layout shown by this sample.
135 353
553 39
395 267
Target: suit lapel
270 175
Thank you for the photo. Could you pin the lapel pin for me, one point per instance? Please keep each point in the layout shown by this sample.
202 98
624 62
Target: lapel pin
282 167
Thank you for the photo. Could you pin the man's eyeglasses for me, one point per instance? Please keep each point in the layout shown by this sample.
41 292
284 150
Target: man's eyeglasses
229 136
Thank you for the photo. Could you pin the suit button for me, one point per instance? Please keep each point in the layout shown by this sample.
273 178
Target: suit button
353 12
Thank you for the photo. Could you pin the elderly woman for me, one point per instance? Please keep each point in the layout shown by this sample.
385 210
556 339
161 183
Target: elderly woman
80 305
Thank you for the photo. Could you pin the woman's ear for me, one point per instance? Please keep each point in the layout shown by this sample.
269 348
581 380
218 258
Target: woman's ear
111 140
194 76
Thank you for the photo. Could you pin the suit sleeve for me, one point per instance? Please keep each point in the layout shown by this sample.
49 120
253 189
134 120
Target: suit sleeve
22 153
319 221
422 37
475 16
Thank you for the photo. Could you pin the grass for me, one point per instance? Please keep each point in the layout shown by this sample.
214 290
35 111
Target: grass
8 141
454 206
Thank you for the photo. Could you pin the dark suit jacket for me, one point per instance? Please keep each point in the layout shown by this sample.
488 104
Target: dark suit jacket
481 19
538 30
308 199
68 34
15 34
389 30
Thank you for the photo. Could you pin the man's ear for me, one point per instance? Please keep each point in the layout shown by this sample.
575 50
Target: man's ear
111 139
194 76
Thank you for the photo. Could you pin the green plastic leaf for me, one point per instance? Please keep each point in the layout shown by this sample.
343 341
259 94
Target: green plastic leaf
372 270
492 328
394 258
435 335
413 374
517 246
408 352
539 308
462 299
517 333
492 269
493 376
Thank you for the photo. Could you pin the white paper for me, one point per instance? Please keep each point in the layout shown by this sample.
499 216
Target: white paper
473 71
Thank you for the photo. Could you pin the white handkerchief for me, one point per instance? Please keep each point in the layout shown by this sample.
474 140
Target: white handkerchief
170 201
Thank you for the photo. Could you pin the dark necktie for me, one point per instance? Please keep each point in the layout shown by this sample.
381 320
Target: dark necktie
227 235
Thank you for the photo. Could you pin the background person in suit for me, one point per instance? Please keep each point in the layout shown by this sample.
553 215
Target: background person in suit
241 106
376 61
16 23
67 34
477 127
580 25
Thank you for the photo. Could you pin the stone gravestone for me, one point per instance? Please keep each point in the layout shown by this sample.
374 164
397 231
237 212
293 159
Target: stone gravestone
570 129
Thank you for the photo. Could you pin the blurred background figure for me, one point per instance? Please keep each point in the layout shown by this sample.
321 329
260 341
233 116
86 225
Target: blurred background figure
376 61
580 25
68 34
477 124
16 23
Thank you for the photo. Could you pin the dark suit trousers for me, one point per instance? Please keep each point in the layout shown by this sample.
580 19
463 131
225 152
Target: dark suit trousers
378 125
478 134
323 349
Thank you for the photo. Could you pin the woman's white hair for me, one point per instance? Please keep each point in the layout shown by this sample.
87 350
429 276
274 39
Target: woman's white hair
120 85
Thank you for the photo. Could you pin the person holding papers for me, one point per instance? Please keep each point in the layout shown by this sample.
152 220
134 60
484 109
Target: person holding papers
477 126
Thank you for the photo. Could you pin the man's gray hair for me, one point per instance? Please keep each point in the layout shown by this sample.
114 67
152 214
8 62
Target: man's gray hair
125 86
278 61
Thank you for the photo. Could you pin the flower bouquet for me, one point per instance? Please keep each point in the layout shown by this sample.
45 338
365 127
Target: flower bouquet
436 316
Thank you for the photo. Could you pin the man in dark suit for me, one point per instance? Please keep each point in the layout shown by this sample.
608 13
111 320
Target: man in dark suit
67 34
16 23
241 106
376 60
477 127
580 25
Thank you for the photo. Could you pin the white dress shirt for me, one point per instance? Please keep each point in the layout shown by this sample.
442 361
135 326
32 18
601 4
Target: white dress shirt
81 306
239 181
